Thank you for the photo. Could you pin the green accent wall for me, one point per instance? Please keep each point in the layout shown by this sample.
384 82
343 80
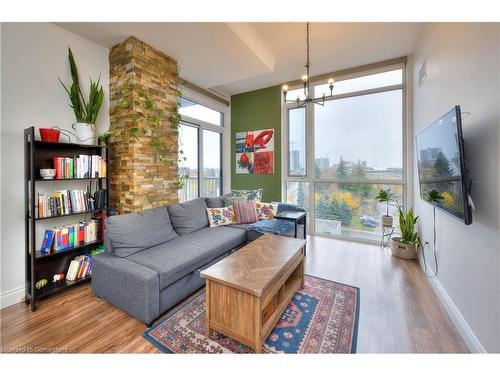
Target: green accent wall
256 110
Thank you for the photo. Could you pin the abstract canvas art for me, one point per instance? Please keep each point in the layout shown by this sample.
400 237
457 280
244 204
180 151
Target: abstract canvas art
255 152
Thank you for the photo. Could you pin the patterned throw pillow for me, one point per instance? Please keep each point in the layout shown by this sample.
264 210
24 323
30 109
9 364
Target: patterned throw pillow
218 217
266 210
248 195
229 201
245 211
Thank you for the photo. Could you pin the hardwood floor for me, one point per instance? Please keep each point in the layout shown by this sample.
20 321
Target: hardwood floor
399 311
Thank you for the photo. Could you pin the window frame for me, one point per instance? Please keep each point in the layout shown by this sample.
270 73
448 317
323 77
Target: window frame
310 178
201 125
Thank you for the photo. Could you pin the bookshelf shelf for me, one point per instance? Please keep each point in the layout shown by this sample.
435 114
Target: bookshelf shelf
52 288
59 145
68 179
71 214
39 155
40 255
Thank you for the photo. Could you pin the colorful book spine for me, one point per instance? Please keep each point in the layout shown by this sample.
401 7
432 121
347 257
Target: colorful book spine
48 239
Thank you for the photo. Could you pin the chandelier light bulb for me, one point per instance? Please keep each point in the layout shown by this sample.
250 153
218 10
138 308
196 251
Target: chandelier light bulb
331 81
304 77
284 88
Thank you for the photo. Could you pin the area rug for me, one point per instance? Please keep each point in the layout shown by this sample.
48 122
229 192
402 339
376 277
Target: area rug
321 318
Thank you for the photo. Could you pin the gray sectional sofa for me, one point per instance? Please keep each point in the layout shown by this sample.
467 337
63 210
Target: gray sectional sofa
153 258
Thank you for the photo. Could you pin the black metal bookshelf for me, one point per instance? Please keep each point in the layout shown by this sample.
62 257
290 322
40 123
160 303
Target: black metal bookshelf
39 265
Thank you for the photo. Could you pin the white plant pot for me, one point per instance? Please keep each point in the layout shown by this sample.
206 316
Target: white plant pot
387 220
403 250
85 133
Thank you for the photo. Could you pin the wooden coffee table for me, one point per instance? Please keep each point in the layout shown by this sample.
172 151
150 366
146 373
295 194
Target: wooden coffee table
247 292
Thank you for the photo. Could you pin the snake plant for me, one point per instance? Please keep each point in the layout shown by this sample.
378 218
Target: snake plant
407 222
85 110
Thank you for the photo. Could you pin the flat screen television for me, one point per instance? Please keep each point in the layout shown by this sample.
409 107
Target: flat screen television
442 166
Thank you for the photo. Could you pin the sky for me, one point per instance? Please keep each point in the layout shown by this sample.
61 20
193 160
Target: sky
367 127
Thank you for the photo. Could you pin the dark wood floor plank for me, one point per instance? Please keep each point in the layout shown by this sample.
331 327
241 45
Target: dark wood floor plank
399 312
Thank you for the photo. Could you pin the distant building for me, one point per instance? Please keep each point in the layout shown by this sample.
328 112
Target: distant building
322 162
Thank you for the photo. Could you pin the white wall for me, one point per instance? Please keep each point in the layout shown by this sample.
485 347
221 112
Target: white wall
33 55
463 67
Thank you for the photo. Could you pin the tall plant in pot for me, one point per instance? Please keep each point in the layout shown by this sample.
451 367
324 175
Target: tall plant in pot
387 197
406 245
85 109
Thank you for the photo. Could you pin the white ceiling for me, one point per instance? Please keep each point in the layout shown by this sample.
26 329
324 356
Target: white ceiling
237 57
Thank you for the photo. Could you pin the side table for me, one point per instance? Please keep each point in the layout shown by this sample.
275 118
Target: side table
387 233
298 217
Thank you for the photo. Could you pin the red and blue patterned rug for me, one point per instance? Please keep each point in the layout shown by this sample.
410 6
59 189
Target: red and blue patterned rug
321 318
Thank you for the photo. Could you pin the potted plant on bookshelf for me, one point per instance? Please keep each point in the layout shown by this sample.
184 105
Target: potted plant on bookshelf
85 110
406 245
387 197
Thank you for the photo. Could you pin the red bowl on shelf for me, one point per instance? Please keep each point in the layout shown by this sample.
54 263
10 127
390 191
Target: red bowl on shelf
49 135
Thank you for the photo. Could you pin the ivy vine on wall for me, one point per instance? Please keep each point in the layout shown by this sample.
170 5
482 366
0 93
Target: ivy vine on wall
151 115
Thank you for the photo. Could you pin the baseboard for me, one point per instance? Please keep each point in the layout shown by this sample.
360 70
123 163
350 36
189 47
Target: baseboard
457 318
12 297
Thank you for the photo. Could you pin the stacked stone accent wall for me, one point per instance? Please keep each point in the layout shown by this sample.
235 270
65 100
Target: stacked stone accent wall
137 179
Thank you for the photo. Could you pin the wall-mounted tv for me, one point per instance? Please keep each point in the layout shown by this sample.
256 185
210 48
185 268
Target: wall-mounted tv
442 166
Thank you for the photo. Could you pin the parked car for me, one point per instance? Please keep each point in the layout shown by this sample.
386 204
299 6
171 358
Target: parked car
369 221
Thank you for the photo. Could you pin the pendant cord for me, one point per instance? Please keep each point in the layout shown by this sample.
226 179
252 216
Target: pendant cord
307 46
306 88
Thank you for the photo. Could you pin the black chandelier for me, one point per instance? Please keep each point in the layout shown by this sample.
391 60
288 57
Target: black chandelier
306 83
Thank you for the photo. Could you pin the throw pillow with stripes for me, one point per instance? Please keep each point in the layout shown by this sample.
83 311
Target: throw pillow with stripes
246 212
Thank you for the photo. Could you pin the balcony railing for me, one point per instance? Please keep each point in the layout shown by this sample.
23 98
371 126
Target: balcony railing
211 188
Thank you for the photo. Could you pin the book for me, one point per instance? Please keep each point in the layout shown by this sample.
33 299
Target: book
79 166
64 237
48 239
57 240
103 167
81 233
71 237
73 270
40 205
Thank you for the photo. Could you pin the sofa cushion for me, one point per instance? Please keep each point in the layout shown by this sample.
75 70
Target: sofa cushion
266 211
188 216
215 202
249 195
246 212
131 233
183 255
218 217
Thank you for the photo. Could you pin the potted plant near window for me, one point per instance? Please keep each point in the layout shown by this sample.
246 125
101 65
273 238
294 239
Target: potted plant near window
387 197
406 245
86 111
